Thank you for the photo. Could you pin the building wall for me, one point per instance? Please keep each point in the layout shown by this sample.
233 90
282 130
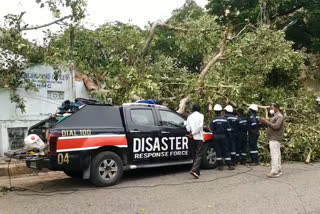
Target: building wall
39 105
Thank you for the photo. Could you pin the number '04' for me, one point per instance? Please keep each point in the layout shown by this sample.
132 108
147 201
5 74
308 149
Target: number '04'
63 158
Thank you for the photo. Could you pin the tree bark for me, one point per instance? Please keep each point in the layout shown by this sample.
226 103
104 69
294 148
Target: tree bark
151 36
218 56
149 40
289 25
183 104
213 60
290 12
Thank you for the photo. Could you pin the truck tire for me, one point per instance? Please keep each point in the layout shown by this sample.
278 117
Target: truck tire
73 174
106 169
209 160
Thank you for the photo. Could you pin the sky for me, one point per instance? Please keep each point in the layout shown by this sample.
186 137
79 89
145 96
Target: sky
138 12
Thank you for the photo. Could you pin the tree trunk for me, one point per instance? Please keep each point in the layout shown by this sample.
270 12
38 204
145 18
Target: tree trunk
213 60
151 36
183 104
217 57
149 40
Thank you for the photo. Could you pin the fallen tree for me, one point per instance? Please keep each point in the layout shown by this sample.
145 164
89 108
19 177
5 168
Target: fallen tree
194 59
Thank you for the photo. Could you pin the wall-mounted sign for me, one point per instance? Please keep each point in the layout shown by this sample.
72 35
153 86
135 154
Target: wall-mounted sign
46 79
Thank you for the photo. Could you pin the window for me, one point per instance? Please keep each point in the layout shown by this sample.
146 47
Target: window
98 116
142 117
171 119
16 137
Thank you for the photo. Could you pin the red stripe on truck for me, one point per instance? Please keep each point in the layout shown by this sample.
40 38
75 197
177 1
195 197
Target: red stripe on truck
90 142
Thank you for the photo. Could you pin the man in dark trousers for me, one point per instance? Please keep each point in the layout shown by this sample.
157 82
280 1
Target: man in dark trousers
219 127
253 130
233 132
195 128
243 136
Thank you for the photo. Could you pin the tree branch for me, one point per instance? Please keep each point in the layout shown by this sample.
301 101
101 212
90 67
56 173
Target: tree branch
241 31
151 36
46 25
289 25
175 83
218 56
224 86
171 27
148 42
259 106
184 101
289 12
183 104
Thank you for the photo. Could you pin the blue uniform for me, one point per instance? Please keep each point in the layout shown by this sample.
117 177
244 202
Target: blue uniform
243 138
253 130
219 127
233 133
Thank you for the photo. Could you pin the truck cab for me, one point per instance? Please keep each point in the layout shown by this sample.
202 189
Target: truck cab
99 142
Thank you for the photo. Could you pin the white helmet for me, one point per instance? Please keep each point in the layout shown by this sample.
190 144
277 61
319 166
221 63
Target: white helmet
229 108
217 107
253 107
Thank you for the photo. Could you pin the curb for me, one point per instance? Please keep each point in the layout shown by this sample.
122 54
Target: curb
16 169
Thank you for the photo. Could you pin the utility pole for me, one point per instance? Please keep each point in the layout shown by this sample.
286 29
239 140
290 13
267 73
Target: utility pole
72 62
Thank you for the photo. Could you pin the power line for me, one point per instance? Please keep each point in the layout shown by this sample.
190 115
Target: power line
19 190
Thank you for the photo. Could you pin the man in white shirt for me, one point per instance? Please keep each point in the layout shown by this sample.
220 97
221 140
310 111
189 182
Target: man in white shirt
195 127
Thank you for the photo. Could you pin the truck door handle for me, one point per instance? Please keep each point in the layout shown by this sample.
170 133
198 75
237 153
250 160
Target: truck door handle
134 131
165 132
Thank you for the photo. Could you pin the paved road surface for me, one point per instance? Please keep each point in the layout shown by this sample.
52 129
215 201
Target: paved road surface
171 190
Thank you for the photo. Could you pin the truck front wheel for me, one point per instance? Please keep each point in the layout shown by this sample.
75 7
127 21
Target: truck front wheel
106 169
209 160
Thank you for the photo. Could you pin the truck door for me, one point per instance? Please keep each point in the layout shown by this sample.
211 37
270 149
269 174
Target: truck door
173 130
143 134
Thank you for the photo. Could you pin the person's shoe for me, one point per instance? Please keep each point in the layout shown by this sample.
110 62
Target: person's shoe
254 164
243 163
280 172
220 168
231 168
194 174
274 175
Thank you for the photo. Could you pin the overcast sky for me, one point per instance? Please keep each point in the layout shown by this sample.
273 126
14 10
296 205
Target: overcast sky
137 12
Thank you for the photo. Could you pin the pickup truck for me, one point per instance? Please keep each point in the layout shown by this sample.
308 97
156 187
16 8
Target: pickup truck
99 142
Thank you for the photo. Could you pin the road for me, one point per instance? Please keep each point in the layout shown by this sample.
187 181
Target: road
171 190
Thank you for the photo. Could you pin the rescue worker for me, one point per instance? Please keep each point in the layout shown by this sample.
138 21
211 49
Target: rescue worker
243 136
233 132
219 127
195 127
253 130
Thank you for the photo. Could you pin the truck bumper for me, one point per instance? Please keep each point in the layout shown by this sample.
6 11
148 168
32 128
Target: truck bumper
78 161
37 163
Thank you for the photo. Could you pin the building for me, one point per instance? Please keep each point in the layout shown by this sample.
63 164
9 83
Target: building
39 104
